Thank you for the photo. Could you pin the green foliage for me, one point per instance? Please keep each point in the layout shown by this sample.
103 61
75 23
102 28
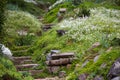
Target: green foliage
24 6
12 7
117 2
82 11
25 40
52 14
2 18
17 21
8 70
76 2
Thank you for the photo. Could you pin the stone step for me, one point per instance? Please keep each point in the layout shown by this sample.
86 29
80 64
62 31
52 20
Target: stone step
59 62
23 62
62 55
32 72
26 66
54 78
22 58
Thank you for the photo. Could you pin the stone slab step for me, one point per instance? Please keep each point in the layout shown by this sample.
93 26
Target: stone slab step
22 58
54 78
62 61
23 62
24 66
32 72
62 55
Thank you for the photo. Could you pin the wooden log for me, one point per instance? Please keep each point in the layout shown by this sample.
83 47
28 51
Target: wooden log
63 55
59 62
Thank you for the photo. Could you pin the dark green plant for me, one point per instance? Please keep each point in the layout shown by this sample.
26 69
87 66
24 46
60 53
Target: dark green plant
83 11
117 2
24 6
76 2
2 17
24 40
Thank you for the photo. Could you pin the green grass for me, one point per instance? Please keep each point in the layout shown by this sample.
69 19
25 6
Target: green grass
19 20
8 70
24 6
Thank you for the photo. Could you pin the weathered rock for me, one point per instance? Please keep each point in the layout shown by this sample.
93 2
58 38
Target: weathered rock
55 51
97 44
62 10
114 70
109 49
62 61
116 78
85 63
53 69
47 27
98 78
49 57
34 72
23 66
68 66
60 32
96 58
77 66
103 65
83 77
62 74
62 55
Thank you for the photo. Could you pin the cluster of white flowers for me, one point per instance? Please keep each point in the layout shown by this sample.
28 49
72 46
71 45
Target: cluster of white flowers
101 22
56 3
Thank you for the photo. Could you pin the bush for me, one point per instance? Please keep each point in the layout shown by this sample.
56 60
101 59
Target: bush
17 21
24 40
2 17
76 2
82 11
24 6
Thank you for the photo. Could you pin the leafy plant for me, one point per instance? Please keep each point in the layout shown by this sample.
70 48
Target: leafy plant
25 40
2 18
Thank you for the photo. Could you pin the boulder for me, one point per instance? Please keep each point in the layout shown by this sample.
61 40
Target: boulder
96 58
98 78
60 32
103 65
83 77
62 10
62 74
59 62
53 69
114 70
85 63
63 55
116 78
6 51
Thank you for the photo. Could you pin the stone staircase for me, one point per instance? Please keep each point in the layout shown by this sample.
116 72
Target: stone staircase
25 64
